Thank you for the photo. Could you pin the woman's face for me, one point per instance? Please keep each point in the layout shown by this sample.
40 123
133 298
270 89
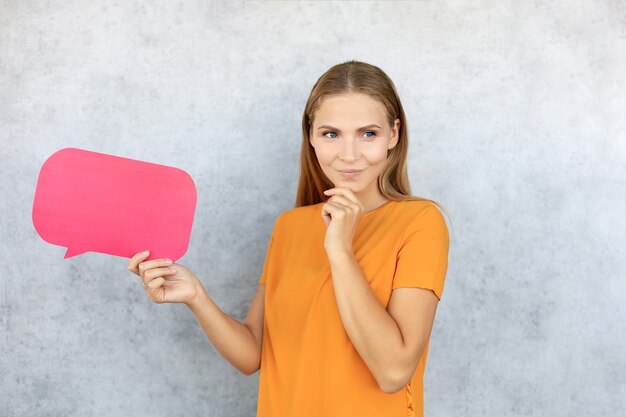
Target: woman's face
351 132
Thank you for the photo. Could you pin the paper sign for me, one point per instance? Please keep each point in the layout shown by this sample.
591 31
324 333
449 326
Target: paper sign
94 202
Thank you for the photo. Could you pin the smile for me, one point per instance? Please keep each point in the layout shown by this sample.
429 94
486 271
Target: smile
350 174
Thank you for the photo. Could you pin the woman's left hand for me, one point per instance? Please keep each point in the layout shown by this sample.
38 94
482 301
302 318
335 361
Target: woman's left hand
341 213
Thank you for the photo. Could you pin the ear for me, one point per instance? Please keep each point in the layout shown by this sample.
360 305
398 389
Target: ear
395 134
311 136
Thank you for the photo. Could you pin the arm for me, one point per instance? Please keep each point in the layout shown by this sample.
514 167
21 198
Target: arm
389 342
237 342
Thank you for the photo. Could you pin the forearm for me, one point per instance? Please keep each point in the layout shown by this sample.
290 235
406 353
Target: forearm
232 338
372 330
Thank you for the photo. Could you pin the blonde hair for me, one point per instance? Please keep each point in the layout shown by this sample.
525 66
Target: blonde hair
356 77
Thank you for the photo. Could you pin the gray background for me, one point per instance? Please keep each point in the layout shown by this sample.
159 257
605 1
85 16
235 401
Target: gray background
516 123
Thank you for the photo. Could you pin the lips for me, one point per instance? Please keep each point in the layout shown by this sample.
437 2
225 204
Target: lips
350 174
348 171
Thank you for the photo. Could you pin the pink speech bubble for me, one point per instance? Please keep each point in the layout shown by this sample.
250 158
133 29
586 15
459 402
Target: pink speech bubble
94 202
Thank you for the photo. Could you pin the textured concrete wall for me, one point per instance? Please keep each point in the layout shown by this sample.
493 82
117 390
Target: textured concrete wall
516 122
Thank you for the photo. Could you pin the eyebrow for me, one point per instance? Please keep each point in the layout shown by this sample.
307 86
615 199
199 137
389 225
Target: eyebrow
358 130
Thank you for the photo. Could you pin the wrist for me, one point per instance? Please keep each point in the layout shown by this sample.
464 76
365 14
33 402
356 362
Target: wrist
200 296
339 254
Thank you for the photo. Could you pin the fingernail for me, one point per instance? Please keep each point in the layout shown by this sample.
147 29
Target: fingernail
145 252
168 261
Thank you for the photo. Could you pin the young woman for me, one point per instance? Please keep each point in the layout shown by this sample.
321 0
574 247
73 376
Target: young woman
341 320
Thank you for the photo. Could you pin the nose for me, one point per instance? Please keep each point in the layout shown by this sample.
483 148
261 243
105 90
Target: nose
350 150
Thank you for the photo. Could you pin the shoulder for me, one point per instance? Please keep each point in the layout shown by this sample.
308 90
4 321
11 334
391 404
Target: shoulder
413 209
420 215
298 215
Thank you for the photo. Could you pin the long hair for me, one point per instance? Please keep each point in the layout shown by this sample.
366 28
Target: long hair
356 77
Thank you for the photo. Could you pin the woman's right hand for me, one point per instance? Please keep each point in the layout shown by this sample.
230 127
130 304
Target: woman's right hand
165 281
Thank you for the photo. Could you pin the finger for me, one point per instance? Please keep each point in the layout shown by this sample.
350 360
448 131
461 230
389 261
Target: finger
155 283
335 207
330 210
154 263
341 201
343 191
155 291
136 259
154 273
347 201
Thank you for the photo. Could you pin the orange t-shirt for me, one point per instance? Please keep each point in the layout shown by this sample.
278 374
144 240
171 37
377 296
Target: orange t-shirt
309 367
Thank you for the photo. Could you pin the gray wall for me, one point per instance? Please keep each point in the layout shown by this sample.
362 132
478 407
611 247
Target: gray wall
516 122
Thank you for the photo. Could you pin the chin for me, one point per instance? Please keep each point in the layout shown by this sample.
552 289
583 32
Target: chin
348 184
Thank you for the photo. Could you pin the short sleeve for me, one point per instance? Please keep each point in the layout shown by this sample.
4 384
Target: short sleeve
263 278
422 260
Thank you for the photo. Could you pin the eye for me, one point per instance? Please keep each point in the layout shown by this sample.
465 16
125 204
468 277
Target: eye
372 132
327 132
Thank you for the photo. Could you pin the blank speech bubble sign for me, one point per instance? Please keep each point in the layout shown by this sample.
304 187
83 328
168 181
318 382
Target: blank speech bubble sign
93 202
